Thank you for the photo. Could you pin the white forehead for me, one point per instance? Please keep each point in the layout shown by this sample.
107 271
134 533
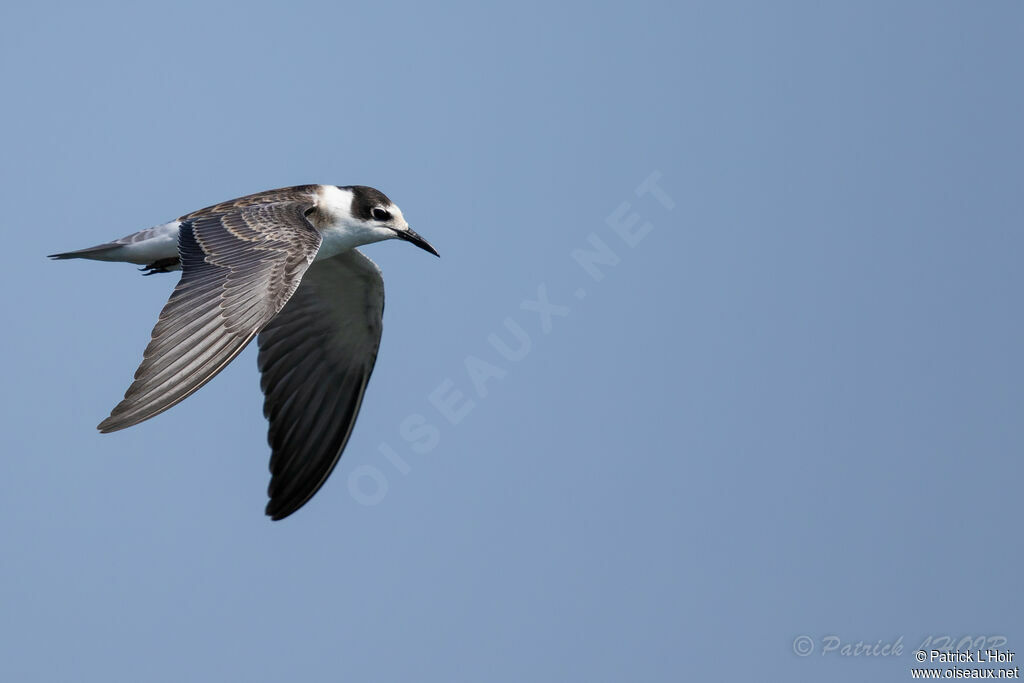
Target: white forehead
397 213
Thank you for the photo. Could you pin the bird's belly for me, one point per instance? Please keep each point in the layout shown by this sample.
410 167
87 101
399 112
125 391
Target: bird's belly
150 245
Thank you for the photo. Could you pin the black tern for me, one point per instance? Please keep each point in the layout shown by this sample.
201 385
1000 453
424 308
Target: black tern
281 266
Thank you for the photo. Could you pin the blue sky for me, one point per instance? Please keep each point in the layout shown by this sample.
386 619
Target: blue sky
788 406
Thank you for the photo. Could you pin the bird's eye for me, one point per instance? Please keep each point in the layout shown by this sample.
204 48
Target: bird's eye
380 214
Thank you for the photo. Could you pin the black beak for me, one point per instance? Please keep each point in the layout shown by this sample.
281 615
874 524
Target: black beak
410 236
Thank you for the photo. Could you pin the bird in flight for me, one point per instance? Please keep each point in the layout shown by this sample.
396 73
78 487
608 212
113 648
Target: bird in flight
280 266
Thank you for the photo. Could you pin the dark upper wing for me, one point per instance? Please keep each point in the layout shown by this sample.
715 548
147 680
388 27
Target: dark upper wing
241 262
316 357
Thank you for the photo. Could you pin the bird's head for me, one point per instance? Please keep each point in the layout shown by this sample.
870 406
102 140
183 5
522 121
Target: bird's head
371 217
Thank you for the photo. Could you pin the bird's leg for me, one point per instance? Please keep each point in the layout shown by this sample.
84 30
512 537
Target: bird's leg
162 266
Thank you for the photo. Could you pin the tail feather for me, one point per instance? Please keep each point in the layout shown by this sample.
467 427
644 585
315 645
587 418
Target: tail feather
97 253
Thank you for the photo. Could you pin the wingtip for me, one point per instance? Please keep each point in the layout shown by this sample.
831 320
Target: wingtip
109 425
278 509
276 515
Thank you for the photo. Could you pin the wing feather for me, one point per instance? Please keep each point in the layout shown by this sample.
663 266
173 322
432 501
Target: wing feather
241 262
315 359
